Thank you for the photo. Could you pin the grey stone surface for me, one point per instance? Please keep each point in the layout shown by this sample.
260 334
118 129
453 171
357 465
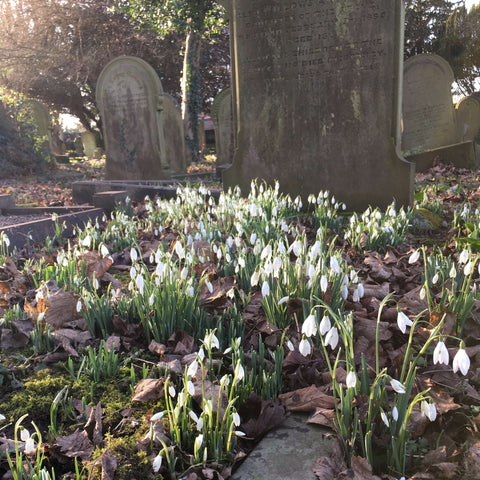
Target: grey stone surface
287 452
222 117
173 133
109 199
89 144
316 88
129 97
429 120
468 118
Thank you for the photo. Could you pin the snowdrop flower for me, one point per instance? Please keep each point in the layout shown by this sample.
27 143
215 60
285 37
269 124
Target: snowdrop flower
344 292
104 251
179 250
134 254
440 354
191 388
209 285
304 347
2 417
335 267
452 272
464 256
461 361
140 283
95 282
323 283
414 257
79 306
211 341
236 419
429 410
253 237
283 300
395 413
238 433
397 386
266 252
171 391
156 416
151 300
309 326
198 442
192 369
422 293
468 268
325 325
239 372
435 278
290 346
403 322
254 278
133 273
265 289
332 338
351 380
384 418
184 273
296 248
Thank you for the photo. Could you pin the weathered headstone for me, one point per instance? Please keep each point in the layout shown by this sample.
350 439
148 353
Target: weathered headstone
222 117
428 109
129 95
430 127
173 131
468 118
89 144
316 87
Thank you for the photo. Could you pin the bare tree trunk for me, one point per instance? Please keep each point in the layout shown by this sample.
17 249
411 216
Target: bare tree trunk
191 92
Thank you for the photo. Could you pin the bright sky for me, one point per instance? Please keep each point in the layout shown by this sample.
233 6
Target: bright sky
469 3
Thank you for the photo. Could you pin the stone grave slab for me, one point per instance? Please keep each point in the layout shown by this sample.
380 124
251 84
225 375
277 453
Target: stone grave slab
89 143
128 95
316 88
287 452
468 118
222 117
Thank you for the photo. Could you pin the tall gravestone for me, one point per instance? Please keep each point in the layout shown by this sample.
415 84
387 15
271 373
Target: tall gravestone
89 142
316 98
430 123
129 95
222 117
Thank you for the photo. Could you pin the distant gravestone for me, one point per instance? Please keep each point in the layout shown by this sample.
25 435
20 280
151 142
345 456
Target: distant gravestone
468 118
428 110
222 117
316 98
89 144
173 131
129 96
430 122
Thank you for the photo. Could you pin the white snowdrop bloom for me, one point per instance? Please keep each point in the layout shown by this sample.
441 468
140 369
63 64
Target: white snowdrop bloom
241 262
355 296
133 273
464 256
79 306
361 290
304 347
266 252
461 361
384 418
453 272
41 316
344 292
309 327
468 268
228 258
211 341
236 419
253 210
325 325
229 242
395 413
238 433
190 388
378 215
268 268
296 248
422 293
140 283
351 380
133 254
323 283
239 373
95 282
30 448
253 238
201 354
403 322
209 285
254 278
397 386
171 391
265 289
193 416
24 434
414 257
334 266
332 338
283 300
290 346
184 273
179 250
192 369
311 271
157 416
198 442
86 242
440 354
435 278
429 410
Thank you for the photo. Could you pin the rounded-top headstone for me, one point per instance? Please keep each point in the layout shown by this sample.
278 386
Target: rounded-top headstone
468 118
221 114
128 92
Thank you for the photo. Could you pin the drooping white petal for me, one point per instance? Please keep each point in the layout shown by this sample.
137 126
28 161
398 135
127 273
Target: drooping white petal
397 386
304 347
461 361
265 289
440 354
325 325
403 322
414 257
309 326
332 338
157 463
351 380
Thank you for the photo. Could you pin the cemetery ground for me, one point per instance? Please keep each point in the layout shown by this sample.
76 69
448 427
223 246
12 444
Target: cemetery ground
165 340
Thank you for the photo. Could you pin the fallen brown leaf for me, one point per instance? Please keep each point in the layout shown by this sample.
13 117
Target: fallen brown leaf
148 389
307 399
